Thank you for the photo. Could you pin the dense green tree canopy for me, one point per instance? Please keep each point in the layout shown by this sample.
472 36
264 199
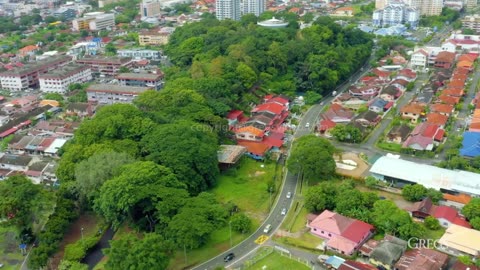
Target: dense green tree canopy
312 156
472 209
414 193
130 252
189 149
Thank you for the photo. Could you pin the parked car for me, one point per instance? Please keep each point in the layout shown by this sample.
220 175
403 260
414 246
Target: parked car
382 198
229 257
284 211
289 195
307 125
267 228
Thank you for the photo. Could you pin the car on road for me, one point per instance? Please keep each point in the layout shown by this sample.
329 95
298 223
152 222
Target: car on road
229 257
289 195
307 125
267 228
284 211
382 198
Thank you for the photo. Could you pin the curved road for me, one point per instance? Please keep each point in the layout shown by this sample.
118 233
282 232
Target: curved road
248 246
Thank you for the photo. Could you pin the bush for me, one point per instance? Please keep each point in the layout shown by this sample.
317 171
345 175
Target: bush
432 223
78 250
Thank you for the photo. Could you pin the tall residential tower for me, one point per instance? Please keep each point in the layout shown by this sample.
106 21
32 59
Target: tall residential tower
228 9
255 7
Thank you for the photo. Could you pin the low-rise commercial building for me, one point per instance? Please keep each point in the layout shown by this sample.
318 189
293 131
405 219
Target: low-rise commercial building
141 54
111 94
59 80
25 77
153 38
94 21
106 66
151 80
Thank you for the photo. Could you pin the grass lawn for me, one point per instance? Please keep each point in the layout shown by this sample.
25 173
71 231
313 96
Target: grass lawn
246 186
277 261
219 242
306 240
434 234
394 147
10 254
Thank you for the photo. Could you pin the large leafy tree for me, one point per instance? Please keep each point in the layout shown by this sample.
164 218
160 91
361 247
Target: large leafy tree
199 217
189 149
312 156
136 192
130 252
472 209
414 192
21 201
93 172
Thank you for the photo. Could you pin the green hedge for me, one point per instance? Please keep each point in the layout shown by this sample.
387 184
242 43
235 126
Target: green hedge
78 250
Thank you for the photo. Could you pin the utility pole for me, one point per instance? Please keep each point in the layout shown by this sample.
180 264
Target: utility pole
230 225
81 231
270 193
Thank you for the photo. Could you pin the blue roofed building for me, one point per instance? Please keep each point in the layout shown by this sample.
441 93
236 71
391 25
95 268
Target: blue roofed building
471 144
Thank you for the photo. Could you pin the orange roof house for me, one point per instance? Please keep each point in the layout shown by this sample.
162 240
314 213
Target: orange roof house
465 64
30 49
343 11
454 92
445 109
448 99
466 57
456 84
437 119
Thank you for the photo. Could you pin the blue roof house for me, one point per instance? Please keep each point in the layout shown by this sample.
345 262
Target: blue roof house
471 144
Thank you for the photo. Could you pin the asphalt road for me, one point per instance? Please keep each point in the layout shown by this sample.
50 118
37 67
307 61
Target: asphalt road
248 246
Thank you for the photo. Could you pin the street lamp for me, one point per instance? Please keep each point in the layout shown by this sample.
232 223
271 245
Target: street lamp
81 231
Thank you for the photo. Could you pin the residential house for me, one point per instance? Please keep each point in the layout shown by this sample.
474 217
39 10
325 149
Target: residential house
421 209
35 171
406 74
398 134
384 75
378 105
325 125
354 265
80 109
368 118
445 59
419 59
446 99
388 252
390 93
412 111
255 150
15 162
338 114
470 144
400 84
456 84
29 50
459 240
343 12
424 137
447 216
363 91
422 259
458 265
234 117
437 119
342 234
454 92
444 109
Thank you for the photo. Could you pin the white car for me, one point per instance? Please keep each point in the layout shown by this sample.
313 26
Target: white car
307 125
284 211
267 228
289 195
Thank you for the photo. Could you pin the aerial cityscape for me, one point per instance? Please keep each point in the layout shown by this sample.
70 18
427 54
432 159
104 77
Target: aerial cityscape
239 134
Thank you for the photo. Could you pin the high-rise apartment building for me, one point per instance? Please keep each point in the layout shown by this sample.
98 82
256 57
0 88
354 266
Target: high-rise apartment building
380 4
228 9
94 21
255 7
431 7
150 8
471 3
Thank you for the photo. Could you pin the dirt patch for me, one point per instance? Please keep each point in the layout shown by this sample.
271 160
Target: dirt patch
361 169
258 173
88 222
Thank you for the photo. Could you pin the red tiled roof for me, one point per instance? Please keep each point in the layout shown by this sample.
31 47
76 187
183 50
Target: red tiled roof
456 84
250 129
461 222
354 265
439 135
357 230
441 108
445 212
454 92
460 198
412 108
467 57
326 124
408 73
437 119
422 52
271 107
381 73
234 114
449 99
444 56
458 265
272 142
278 100
462 70
256 148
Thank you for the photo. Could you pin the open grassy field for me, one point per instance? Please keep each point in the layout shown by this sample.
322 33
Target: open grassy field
394 147
306 241
10 254
277 261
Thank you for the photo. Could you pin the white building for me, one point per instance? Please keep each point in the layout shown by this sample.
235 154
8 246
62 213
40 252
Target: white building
396 13
472 22
141 54
59 80
94 21
431 7
150 8
401 172
419 59
255 7
112 94
228 9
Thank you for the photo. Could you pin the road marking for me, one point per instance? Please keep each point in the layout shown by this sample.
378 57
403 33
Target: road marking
261 239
